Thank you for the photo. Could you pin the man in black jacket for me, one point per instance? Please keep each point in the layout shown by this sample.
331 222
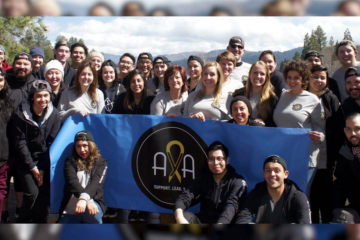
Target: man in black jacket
352 82
347 172
220 189
62 53
276 200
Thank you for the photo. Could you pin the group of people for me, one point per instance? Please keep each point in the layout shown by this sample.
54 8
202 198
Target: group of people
37 98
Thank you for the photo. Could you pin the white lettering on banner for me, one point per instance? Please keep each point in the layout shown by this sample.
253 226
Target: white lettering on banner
188 170
155 167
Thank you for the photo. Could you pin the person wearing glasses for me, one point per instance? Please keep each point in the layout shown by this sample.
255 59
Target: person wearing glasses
126 65
277 200
218 177
241 70
144 64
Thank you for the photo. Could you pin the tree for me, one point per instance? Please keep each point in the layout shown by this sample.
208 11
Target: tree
320 37
297 55
60 38
306 45
331 42
347 35
313 43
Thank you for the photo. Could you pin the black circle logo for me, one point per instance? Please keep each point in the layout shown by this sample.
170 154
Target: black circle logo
166 159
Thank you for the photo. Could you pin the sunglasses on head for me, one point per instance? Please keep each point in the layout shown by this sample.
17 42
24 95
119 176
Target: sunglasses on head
236 46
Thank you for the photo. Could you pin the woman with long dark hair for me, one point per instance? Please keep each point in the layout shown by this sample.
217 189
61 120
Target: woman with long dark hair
240 108
85 173
136 99
34 127
6 161
156 85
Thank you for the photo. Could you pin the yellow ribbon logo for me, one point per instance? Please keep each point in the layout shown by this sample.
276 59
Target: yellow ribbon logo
174 164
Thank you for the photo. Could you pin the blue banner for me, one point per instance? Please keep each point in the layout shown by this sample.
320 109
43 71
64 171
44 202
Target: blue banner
152 158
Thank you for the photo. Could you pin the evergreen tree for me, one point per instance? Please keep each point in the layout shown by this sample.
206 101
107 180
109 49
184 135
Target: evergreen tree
347 35
297 55
320 37
60 38
313 43
306 46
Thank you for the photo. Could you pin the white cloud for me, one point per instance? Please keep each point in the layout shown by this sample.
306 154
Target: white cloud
171 35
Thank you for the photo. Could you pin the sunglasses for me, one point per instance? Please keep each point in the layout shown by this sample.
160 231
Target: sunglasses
237 46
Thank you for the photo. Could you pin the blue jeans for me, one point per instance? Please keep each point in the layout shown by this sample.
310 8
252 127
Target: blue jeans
84 217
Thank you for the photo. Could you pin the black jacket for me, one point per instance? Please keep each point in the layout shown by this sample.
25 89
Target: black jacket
111 94
94 187
296 206
334 131
269 121
277 80
18 90
333 86
69 74
218 203
350 106
39 74
347 183
31 142
55 98
120 109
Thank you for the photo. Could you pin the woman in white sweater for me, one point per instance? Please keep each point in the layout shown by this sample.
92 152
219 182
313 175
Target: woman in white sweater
84 97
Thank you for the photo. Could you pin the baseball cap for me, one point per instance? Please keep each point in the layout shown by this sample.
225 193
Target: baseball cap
275 159
84 135
236 39
350 69
163 58
39 85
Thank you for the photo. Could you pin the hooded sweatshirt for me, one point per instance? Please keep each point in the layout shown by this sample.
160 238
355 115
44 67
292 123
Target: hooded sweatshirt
218 202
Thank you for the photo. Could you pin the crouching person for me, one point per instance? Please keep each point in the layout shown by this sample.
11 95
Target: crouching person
221 190
85 172
276 200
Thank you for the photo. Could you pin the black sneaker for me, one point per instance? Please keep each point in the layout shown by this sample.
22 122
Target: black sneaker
111 212
5 217
132 216
142 216
17 211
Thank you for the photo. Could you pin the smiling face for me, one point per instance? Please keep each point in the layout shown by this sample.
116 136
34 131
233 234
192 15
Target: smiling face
210 77
227 67
237 49
160 69
53 76
86 77
2 56
82 149
275 174
2 82
62 53
217 162
97 62
78 54
137 84
294 81
240 112
270 62
317 81
144 64
37 61
175 81
194 69
257 76
40 100
314 60
126 65
353 86
22 68
352 130
346 55
108 74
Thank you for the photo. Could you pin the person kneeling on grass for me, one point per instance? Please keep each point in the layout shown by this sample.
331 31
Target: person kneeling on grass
221 190
85 173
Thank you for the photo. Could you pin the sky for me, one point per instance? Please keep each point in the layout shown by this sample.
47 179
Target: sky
172 35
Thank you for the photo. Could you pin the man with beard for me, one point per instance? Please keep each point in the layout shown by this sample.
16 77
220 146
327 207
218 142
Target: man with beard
241 70
19 77
277 200
62 53
352 83
347 173
78 53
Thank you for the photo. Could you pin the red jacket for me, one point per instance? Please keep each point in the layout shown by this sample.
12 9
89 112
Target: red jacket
5 66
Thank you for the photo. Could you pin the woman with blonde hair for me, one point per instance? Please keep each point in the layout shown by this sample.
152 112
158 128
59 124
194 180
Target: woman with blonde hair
209 102
83 98
259 91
